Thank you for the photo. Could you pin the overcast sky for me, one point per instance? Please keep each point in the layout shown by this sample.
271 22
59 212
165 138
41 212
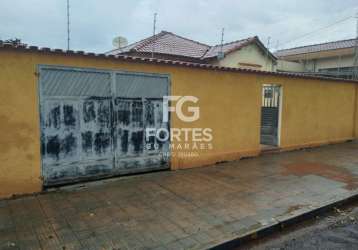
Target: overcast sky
94 23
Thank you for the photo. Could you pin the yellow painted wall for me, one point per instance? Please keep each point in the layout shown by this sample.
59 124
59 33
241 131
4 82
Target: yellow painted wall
19 119
314 112
229 110
229 104
356 114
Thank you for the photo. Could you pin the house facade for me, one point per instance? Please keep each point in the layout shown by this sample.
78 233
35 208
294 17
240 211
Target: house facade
328 59
249 53
72 116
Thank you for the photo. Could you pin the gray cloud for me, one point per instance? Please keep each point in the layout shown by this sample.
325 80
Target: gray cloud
94 23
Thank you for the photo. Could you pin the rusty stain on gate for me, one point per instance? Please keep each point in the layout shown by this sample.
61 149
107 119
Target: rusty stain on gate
93 123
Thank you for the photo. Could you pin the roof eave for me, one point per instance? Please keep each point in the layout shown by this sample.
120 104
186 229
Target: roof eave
252 40
36 49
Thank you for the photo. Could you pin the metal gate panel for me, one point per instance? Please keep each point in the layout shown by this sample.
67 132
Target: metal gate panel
64 82
270 115
141 85
75 124
60 127
138 105
93 123
96 128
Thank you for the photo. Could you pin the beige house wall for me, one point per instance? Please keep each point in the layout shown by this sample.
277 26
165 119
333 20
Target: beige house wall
334 62
288 66
314 65
243 57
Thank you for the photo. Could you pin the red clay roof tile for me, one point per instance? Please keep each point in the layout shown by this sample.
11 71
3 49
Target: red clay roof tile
171 44
342 44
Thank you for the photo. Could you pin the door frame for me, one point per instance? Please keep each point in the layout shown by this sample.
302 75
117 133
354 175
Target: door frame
279 116
280 108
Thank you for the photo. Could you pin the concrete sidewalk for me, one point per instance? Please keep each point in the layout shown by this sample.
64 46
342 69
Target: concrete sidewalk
188 209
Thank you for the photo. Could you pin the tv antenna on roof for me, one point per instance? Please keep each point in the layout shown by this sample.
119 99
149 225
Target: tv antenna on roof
221 53
119 42
268 50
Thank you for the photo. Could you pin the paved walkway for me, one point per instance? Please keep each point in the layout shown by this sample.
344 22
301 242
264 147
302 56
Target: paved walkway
187 209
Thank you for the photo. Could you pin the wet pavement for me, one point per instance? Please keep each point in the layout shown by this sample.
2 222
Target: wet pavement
186 209
338 229
343 237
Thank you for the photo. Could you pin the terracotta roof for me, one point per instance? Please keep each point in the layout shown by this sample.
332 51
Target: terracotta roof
235 45
343 44
228 47
44 50
171 44
166 43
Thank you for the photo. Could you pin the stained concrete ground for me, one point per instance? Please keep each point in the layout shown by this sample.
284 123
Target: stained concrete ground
335 229
188 209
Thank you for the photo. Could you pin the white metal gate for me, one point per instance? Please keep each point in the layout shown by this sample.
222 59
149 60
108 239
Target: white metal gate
270 112
93 123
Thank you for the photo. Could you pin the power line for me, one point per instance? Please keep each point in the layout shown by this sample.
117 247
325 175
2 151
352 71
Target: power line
317 30
267 50
154 28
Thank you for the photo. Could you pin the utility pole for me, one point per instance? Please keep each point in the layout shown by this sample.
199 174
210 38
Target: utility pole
222 39
154 28
355 63
267 52
221 53
68 24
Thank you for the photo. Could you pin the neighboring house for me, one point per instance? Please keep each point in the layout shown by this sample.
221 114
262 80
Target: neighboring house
246 53
328 59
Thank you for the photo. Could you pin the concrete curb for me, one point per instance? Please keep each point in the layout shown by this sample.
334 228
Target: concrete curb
290 220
